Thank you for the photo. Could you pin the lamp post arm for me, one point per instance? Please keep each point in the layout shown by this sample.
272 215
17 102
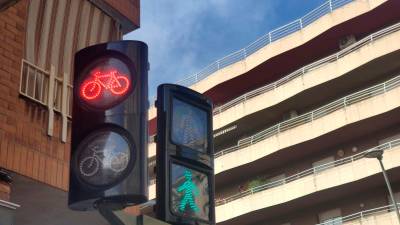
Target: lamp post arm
389 189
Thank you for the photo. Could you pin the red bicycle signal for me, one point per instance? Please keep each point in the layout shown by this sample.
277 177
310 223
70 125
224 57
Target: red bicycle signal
98 83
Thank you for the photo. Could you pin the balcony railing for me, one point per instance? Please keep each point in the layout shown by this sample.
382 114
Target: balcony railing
300 72
363 214
49 90
313 115
263 41
317 169
268 38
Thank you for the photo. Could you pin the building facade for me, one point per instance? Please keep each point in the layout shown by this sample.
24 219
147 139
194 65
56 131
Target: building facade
38 42
295 112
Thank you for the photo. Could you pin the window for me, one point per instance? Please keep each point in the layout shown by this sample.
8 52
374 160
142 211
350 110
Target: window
279 177
331 217
396 198
289 115
389 139
333 221
323 164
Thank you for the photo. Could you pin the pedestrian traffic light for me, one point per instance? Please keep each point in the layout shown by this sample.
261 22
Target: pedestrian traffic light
109 126
185 163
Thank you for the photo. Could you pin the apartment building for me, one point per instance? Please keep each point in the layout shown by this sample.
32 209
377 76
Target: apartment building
38 42
295 112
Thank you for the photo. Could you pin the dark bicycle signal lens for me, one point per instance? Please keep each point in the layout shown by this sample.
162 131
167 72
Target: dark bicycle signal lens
105 83
103 158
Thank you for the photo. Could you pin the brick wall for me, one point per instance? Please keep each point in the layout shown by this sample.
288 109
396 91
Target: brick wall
128 8
4 191
25 147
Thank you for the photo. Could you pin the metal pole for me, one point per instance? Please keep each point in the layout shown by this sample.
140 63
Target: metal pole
389 188
106 210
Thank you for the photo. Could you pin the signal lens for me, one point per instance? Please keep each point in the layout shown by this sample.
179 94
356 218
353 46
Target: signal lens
190 196
105 83
103 158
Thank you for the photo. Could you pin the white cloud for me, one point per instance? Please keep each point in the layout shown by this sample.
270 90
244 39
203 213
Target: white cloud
173 31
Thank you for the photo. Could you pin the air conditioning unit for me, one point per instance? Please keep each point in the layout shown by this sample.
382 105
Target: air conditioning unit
347 41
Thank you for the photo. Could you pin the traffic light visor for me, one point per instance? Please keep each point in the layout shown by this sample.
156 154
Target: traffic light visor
105 82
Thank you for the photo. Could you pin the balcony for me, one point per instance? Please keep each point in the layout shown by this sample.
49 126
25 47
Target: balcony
317 73
332 67
379 216
316 179
152 189
152 150
278 41
350 109
309 181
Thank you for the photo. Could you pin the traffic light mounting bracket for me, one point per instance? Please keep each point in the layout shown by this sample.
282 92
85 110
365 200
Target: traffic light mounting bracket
117 216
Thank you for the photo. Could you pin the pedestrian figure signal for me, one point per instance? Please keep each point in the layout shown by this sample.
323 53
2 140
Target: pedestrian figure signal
190 193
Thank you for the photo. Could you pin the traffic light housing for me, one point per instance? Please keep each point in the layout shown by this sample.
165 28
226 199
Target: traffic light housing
185 162
109 126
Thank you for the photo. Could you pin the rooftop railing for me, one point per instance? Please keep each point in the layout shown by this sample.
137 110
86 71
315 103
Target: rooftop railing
311 171
266 39
313 115
300 72
362 214
263 41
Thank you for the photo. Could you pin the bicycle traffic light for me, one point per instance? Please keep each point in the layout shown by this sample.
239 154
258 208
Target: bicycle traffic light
185 162
109 126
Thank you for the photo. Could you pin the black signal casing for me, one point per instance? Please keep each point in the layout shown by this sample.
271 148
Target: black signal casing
128 116
170 153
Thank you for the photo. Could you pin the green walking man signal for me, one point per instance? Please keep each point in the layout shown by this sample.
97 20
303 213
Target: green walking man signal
191 191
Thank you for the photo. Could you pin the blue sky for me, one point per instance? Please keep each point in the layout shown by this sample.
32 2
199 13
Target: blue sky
186 35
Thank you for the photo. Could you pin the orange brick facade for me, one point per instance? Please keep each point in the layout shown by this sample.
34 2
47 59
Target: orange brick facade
129 8
4 191
25 146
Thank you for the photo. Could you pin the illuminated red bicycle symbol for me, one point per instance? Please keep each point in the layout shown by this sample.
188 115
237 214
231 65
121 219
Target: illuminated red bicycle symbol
112 81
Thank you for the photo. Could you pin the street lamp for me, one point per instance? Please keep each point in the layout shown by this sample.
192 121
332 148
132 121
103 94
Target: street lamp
377 153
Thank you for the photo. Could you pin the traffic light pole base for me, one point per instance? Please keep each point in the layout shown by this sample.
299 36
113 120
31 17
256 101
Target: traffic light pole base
117 216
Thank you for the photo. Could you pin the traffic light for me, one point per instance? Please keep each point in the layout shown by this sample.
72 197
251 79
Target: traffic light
185 163
109 126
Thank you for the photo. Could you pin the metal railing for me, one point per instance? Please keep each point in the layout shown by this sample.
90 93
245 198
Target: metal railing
49 90
34 83
313 115
300 72
266 39
311 171
362 214
263 41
